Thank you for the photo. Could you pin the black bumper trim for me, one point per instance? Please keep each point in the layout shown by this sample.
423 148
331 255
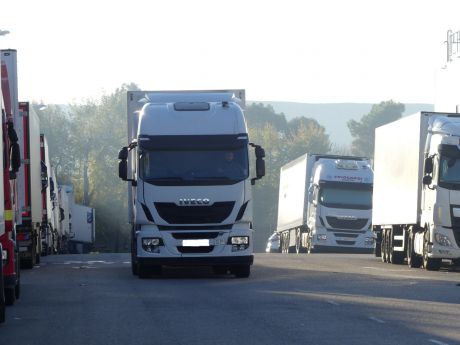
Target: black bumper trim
198 261
332 249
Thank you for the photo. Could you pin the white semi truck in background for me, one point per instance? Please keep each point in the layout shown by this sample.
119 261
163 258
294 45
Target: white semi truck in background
325 204
83 229
187 161
416 201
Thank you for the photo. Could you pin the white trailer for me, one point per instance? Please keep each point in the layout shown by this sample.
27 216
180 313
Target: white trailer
83 229
416 201
189 197
47 229
29 183
324 204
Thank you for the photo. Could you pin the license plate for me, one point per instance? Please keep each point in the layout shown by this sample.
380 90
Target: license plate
195 243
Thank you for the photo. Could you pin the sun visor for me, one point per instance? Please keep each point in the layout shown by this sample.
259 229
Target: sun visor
193 142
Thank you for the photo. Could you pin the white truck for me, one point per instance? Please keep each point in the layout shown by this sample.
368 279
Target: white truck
83 229
416 199
189 197
325 204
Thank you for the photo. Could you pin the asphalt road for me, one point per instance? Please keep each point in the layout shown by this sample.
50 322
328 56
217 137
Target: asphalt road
289 299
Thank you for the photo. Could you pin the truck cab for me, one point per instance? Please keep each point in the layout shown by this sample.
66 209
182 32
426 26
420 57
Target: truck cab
441 191
340 205
190 199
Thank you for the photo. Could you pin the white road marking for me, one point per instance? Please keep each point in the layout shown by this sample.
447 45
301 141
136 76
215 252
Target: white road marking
376 319
434 341
332 302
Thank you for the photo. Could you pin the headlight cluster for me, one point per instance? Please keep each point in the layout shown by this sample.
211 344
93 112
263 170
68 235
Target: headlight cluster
321 237
152 245
239 243
443 240
369 241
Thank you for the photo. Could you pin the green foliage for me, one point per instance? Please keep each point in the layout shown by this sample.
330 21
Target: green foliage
363 132
283 141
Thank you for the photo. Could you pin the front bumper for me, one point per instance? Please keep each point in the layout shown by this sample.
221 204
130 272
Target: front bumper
198 261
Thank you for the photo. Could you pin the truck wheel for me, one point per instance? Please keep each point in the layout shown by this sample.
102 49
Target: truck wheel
241 271
142 271
413 260
378 249
10 296
134 268
384 246
298 242
2 295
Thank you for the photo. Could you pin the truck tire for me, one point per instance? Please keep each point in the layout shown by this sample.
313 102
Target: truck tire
384 246
413 260
241 271
10 296
142 271
378 249
298 242
2 295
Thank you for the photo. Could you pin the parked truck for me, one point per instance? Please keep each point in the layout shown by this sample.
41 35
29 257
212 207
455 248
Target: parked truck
189 197
325 204
64 219
83 229
29 187
48 235
416 215
11 162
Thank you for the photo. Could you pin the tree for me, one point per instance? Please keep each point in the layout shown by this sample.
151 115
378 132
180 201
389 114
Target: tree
363 132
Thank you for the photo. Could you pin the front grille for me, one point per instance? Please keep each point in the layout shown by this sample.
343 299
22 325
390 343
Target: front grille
354 224
174 214
195 250
346 243
339 234
195 235
191 228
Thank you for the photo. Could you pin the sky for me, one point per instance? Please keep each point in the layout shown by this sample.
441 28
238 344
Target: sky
323 51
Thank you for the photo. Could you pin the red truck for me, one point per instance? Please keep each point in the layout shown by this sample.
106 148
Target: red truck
12 161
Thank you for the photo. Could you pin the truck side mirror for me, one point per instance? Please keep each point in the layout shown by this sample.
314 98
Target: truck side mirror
427 180
123 169
123 153
260 163
260 152
428 165
260 168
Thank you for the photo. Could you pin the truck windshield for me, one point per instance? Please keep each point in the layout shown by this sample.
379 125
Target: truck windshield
350 198
449 172
194 167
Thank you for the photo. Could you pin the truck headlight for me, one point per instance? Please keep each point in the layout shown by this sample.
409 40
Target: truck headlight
443 240
369 241
239 243
152 245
